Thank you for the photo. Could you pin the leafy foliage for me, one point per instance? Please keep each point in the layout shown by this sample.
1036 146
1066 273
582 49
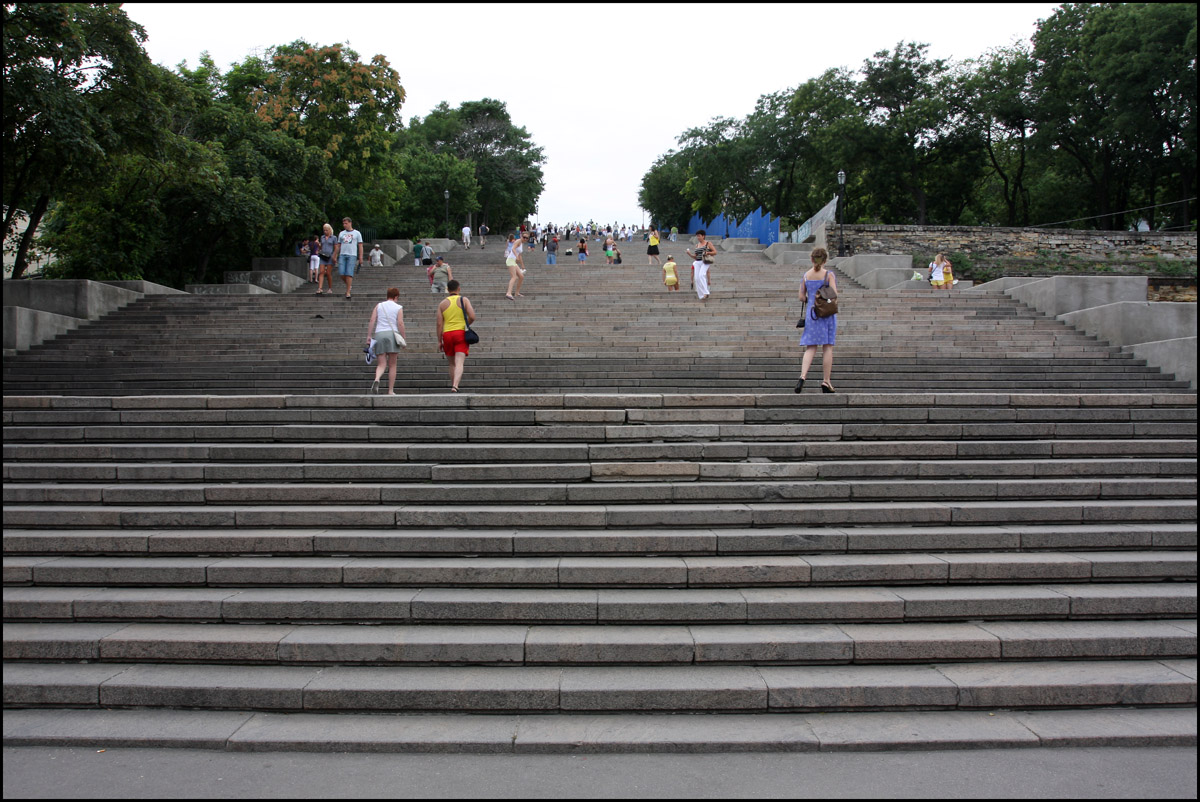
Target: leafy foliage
178 175
507 165
1097 117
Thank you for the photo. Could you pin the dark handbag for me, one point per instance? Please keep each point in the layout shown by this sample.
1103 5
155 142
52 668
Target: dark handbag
800 322
825 302
469 337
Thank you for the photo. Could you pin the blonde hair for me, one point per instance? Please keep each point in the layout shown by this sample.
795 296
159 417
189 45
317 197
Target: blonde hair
819 257
328 229
941 257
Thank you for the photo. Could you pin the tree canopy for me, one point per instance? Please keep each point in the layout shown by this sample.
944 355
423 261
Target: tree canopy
125 169
1092 122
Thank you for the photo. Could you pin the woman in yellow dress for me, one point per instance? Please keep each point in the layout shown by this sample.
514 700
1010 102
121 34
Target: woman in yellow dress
670 278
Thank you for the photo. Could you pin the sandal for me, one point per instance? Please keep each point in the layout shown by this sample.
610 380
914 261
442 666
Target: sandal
827 388
799 385
454 389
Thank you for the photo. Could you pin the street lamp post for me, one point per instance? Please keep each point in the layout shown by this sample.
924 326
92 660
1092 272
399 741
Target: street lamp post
725 214
446 195
841 213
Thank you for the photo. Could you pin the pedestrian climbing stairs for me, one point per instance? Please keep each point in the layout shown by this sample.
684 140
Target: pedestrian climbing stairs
581 327
939 558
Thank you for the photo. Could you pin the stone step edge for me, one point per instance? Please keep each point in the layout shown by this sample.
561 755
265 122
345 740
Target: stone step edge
552 571
1048 684
250 731
602 400
661 645
317 542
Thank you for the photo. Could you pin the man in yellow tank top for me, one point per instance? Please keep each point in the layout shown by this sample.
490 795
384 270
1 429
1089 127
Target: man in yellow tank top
451 330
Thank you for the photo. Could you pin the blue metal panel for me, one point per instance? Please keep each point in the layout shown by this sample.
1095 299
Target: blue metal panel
756 225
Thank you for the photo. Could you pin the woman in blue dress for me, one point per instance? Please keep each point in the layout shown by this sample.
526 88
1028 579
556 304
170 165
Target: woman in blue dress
820 331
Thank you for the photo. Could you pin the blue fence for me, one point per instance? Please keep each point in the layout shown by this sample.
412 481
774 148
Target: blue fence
762 227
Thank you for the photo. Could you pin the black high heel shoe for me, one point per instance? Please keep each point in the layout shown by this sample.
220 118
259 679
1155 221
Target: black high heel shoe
799 386
827 388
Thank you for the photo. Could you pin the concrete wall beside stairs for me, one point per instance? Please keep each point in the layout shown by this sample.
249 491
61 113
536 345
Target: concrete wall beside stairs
36 311
877 271
1115 309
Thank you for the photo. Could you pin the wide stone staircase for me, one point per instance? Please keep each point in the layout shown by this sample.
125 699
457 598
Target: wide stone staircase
590 327
992 544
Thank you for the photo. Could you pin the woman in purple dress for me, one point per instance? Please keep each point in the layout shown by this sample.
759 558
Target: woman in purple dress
820 331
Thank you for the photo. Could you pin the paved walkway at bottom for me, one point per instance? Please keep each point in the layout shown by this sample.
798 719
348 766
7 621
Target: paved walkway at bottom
58 772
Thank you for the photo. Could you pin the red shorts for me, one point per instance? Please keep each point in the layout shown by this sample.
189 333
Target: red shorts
454 342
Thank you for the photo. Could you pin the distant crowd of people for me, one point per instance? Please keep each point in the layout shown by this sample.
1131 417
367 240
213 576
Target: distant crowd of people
455 313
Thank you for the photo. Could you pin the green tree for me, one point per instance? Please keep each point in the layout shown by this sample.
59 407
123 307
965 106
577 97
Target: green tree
1116 95
222 187
507 164
326 97
76 95
424 208
662 192
924 163
997 101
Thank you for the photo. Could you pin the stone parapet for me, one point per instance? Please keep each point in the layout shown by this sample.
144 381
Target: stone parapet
25 328
296 265
78 298
144 287
1017 242
227 289
273 280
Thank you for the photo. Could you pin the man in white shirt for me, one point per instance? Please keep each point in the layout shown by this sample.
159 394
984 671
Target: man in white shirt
466 236
376 256
348 253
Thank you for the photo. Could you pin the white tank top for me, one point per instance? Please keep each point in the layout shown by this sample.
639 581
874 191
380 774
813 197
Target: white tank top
388 317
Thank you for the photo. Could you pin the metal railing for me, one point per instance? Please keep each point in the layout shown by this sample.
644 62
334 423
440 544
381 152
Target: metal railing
828 212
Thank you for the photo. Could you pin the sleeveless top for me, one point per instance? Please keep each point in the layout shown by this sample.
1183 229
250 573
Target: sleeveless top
388 316
452 316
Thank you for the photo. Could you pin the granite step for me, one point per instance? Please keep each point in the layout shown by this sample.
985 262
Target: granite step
564 733
436 645
942 686
601 571
681 606
1162 538
645 471
660 492
203 451
594 515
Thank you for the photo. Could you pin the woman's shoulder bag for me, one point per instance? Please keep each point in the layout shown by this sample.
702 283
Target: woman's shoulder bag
825 303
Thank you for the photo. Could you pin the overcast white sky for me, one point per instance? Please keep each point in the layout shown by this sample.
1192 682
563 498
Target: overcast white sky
604 89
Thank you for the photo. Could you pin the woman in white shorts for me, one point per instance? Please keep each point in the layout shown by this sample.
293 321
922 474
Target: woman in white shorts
516 268
314 258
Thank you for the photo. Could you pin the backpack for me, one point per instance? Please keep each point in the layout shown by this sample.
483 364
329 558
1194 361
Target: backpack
825 302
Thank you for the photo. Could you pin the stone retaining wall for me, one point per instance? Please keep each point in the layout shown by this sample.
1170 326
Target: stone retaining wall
1016 242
